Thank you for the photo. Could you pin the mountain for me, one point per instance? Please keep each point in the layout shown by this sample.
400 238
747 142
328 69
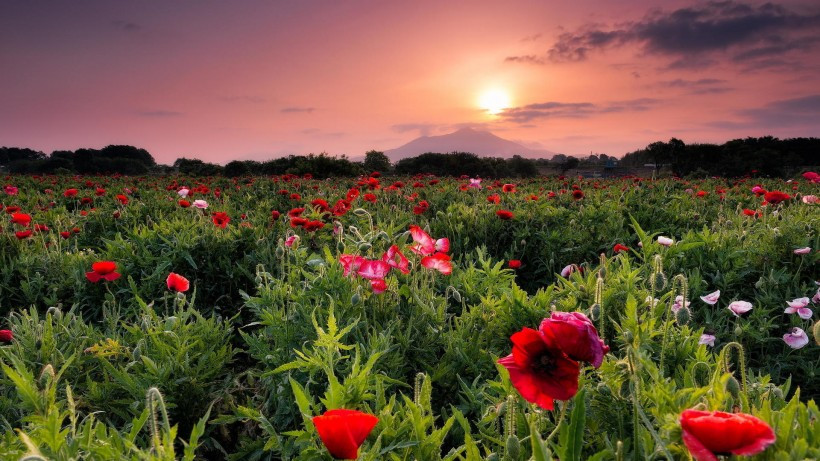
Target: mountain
481 143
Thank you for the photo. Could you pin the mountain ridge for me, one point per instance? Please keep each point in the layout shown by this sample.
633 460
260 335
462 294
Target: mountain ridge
479 142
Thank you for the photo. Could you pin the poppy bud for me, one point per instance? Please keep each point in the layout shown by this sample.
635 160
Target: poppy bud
492 457
170 323
603 389
279 252
777 393
658 281
364 246
137 354
360 212
733 387
628 336
355 299
513 448
682 316
815 330
595 312
738 331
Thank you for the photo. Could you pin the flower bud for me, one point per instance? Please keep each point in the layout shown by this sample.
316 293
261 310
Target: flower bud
355 299
364 246
170 323
815 330
513 448
360 212
595 312
682 316
733 387
738 331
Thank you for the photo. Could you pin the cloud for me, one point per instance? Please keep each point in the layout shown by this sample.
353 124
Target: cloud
692 34
298 110
801 113
531 38
554 109
127 26
700 86
424 129
525 59
243 99
160 113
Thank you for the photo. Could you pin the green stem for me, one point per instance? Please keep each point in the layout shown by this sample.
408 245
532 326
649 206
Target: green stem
558 421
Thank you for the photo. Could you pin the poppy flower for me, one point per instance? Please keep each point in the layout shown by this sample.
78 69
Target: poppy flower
494 199
274 215
183 193
378 286
343 431
504 214
707 339
619 248
508 188
184 203
291 240
373 269
70 193
799 306
394 258
514 263
712 298
809 199
577 194
122 199
802 251
796 338
177 283
201 204
475 183
439 261
312 226
665 241
569 269
221 219
709 433
21 219
10 190
296 212
424 244
812 176
774 197
369 198
539 369
103 270
298 221
739 307
351 263
751 213
65 234
22 234
6 336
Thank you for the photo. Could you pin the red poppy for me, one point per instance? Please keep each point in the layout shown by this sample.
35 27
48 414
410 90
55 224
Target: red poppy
577 194
40 227
343 431
504 214
494 199
6 336
619 248
70 193
351 263
701 193
21 219
514 263
103 270
22 234
221 219
99 192
774 197
298 222
274 215
177 283
369 198
312 226
65 234
749 212
709 433
508 188
543 363
184 203
352 194
122 199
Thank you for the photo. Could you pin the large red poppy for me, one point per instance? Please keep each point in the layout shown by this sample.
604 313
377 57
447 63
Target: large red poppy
504 214
21 219
103 270
221 219
344 431
539 370
709 433
774 197
6 336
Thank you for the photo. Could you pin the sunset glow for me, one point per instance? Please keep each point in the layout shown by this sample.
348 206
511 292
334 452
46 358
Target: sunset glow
258 79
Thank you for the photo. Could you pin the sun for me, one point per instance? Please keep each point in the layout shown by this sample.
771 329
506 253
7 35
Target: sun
494 101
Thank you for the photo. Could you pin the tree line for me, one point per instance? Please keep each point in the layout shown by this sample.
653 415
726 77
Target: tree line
765 156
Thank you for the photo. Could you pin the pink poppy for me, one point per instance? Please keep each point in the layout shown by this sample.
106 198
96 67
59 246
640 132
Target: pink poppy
351 263
707 339
678 304
201 204
373 269
809 199
396 259
739 307
712 298
798 306
802 251
439 261
10 190
665 241
290 241
378 286
796 338
424 244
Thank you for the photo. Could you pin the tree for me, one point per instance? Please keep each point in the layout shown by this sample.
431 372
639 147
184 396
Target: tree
376 161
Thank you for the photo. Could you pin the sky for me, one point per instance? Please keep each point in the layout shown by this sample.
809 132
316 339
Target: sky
258 79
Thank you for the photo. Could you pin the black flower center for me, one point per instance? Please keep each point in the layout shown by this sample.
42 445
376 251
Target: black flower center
544 363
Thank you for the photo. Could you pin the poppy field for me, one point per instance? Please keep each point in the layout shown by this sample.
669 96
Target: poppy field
409 318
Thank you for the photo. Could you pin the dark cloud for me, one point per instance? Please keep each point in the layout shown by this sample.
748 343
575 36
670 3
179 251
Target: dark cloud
298 110
127 26
690 35
160 113
796 113
554 109
526 59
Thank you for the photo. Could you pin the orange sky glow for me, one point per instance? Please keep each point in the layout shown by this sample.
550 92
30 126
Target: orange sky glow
260 79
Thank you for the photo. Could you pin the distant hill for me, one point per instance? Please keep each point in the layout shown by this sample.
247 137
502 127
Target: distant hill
481 143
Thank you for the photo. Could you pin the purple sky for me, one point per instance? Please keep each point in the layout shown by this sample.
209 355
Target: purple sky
222 80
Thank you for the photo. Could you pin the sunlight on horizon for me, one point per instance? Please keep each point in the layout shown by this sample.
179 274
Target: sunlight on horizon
494 101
